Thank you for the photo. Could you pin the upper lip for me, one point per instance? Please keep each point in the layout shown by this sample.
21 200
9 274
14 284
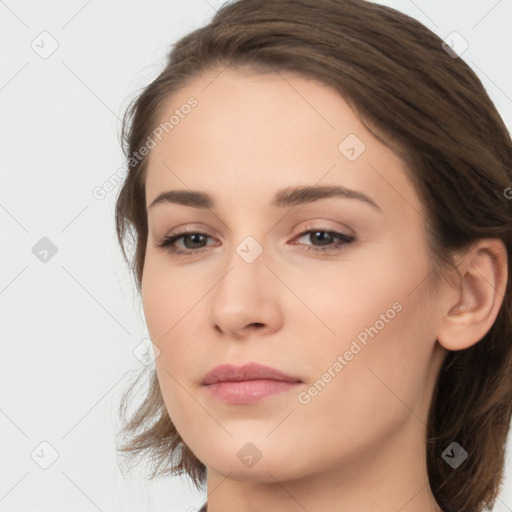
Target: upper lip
250 371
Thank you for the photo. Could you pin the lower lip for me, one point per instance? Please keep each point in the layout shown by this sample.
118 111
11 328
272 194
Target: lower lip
248 391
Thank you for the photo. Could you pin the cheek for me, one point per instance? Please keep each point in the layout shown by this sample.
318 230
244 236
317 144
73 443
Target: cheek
380 383
175 303
167 295
350 295
168 309
376 287
157 301
382 323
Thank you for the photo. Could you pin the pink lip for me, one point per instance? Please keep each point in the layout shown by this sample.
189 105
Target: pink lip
246 384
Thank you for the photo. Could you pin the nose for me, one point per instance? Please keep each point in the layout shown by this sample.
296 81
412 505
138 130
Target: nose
246 300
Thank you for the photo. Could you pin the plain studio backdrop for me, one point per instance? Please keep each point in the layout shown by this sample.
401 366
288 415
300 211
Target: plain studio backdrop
72 324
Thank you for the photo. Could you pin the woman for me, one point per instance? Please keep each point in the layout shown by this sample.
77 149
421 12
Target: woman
317 192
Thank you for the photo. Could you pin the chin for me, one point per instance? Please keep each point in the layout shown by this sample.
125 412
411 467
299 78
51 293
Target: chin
258 461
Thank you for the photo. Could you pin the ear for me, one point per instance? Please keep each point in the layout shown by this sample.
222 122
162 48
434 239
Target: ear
472 305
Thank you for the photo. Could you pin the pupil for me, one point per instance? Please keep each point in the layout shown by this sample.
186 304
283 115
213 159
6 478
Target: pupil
194 236
323 236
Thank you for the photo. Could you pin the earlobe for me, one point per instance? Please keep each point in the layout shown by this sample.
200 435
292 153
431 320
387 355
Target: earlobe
483 280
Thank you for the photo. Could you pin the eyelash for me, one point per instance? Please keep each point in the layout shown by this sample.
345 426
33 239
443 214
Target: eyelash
166 243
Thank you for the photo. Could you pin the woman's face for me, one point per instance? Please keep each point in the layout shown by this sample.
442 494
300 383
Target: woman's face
353 325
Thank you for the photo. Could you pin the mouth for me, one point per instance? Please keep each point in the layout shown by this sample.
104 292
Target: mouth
247 384
248 391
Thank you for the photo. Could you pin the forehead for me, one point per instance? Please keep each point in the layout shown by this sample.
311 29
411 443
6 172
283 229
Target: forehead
250 134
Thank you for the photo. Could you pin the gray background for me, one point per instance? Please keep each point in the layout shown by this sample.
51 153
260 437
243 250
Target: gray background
70 324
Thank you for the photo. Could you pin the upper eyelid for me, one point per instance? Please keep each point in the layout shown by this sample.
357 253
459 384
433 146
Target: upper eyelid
346 230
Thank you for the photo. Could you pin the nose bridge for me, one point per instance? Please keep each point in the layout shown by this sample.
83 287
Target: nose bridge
245 264
245 294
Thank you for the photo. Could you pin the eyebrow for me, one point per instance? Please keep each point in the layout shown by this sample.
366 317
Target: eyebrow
291 196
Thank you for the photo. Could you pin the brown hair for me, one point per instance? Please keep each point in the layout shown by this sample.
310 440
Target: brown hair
396 75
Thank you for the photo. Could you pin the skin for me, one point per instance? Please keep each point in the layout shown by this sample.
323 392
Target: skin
359 443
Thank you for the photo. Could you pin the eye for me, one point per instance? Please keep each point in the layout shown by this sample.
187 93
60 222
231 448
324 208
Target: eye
194 241
325 239
194 238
